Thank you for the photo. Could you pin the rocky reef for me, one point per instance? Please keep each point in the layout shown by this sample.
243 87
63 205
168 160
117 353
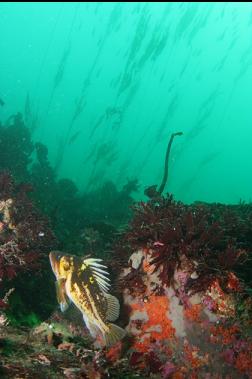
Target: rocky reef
187 289
25 237
186 303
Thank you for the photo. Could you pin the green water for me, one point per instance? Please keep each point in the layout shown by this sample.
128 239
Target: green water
104 85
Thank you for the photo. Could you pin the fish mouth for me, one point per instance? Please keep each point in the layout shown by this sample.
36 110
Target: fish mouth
54 258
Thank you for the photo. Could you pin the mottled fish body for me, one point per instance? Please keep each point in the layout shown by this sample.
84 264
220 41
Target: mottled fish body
85 282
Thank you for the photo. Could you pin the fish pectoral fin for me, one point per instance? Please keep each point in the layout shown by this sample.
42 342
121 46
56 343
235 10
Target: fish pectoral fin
61 294
113 307
113 335
64 305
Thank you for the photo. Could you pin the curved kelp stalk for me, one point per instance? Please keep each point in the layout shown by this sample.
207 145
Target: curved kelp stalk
165 177
151 191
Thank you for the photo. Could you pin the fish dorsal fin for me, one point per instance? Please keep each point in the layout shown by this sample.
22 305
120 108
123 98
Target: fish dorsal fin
113 307
99 272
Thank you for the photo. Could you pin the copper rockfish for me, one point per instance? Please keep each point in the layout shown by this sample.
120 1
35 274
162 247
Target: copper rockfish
85 282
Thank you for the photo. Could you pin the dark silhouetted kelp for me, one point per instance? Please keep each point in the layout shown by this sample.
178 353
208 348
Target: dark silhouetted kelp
152 192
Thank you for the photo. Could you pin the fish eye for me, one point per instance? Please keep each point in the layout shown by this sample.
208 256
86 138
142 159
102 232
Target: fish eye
66 266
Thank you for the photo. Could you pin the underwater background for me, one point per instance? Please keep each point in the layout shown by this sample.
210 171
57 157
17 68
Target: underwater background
125 190
103 85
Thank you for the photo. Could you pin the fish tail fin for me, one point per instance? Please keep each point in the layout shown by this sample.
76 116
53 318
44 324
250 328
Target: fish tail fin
113 335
